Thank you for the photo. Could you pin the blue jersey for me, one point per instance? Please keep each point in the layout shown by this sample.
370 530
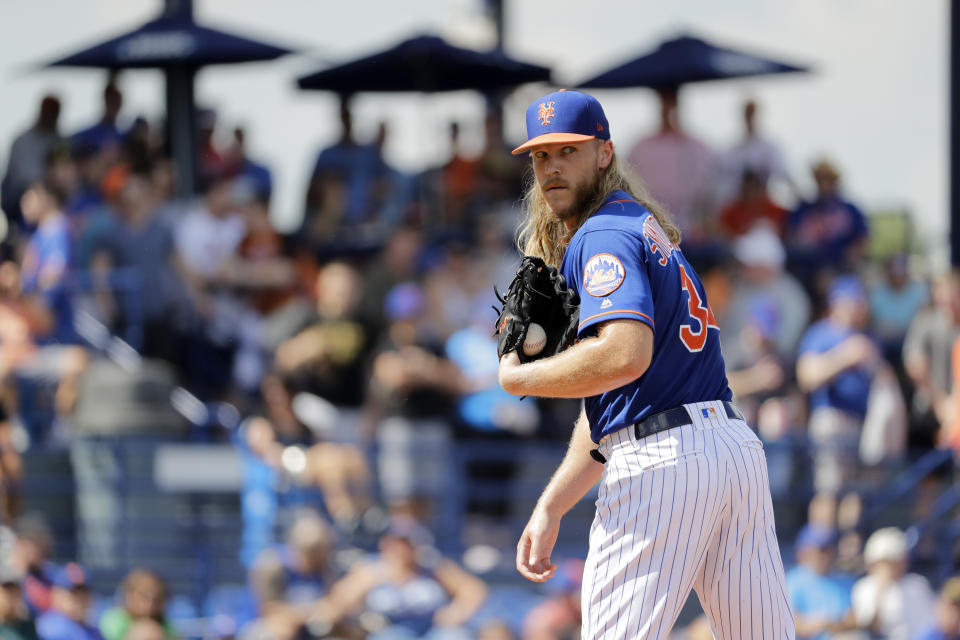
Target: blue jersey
622 265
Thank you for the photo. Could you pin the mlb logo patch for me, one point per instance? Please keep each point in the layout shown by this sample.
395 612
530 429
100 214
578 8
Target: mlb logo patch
709 412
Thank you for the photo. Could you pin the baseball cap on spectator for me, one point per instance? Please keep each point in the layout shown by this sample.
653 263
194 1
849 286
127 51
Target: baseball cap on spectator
760 247
817 536
886 544
845 288
404 301
564 116
70 576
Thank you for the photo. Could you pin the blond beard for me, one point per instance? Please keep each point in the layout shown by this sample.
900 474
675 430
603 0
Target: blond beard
587 199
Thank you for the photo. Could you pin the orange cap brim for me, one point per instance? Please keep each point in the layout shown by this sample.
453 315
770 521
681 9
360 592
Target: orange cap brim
552 138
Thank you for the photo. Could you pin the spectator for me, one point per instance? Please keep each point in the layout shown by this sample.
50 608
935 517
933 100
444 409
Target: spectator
558 617
267 281
15 620
757 374
105 134
500 172
926 358
459 186
949 434
141 243
946 623
888 600
27 357
139 146
414 595
411 391
762 282
144 597
207 239
751 205
336 473
400 261
67 617
31 560
254 176
212 165
46 258
828 232
292 582
351 198
894 301
328 356
209 235
819 596
28 158
754 154
306 560
676 168
838 365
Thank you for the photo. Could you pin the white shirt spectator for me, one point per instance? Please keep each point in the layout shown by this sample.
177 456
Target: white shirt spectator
906 609
676 169
206 242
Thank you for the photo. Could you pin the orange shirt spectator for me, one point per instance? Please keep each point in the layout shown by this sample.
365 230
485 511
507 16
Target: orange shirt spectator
751 205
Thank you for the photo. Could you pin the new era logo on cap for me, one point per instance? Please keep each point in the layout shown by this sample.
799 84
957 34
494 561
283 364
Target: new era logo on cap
564 116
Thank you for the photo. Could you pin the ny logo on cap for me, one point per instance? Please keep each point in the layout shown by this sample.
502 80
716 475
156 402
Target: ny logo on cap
546 112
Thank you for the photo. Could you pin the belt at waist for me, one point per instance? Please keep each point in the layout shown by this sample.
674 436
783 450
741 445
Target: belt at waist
676 417
664 420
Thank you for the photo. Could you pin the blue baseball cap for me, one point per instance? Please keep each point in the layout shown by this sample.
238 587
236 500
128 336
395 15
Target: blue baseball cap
845 288
564 116
70 576
813 535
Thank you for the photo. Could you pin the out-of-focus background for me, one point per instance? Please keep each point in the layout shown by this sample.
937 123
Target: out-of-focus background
247 372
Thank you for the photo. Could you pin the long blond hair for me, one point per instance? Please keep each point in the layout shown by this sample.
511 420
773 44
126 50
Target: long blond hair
544 235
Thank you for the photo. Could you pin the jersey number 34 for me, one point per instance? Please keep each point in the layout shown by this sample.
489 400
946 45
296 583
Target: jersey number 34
699 311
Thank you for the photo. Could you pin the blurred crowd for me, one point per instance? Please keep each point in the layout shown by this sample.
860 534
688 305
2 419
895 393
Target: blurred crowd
348 361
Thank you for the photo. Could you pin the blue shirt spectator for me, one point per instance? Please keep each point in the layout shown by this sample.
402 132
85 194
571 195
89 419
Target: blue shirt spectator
104 133
47 255
828 232
849 389
841 349
820 597
57 626
66 620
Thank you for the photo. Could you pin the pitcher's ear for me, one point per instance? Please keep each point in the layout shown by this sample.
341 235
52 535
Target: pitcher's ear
606 154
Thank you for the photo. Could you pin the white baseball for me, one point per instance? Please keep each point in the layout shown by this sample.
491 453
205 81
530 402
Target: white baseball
535 341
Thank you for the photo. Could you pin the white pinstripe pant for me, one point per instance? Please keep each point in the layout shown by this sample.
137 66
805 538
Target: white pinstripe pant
684 509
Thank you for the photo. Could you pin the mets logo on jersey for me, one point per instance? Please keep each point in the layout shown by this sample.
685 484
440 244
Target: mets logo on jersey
603 274
545 113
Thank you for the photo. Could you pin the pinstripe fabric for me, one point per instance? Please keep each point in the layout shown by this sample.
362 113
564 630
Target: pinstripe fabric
684 509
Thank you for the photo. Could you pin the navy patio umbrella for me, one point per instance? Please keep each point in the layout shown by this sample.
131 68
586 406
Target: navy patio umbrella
687 59
178 45
426 64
